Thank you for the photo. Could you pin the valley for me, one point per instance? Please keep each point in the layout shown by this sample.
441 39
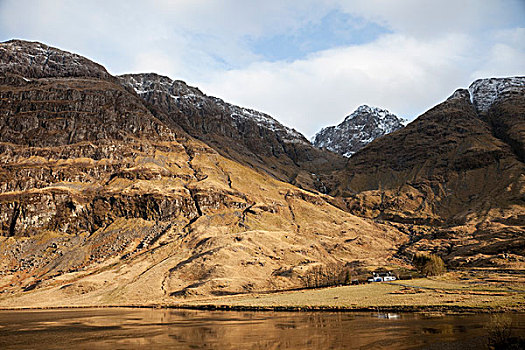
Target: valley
141 190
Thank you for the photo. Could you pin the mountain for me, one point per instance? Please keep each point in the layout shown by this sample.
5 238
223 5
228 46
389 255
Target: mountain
358 129
104 202
140 190
247 136
458 169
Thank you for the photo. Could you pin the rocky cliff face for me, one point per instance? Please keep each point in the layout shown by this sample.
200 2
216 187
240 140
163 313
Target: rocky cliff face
357 130
244 135
103 202
499 101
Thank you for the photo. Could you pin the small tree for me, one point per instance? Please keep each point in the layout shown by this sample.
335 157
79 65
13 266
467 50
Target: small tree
429 265
330 274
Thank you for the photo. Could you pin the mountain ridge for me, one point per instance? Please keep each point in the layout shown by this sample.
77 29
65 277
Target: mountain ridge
453 168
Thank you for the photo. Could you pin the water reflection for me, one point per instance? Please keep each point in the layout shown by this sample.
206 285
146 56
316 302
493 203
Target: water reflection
186 329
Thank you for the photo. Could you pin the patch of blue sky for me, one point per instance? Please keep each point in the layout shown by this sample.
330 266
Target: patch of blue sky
336 29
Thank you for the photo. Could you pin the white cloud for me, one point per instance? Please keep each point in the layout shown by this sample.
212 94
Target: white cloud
505 57
200 36
429 18
437 47
502 60
152 61
395 72
434 47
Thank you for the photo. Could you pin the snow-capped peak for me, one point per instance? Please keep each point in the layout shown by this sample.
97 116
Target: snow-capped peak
366 109
357 130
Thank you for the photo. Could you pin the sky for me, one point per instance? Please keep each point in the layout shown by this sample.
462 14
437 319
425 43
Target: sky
306 63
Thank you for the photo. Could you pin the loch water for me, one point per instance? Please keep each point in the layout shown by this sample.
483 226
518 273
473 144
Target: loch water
123 328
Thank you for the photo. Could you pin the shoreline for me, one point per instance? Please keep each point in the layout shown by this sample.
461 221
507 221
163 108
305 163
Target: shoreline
445 309
445 295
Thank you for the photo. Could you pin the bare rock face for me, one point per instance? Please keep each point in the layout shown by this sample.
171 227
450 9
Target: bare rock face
51 112
244 135
500 102
487 92
358 130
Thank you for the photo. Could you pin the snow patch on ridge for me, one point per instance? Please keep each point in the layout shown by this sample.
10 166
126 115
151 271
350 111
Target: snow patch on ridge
36 60
187 95
460 94
485 92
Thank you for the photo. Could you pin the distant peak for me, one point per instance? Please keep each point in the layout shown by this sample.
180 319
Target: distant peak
364 107
369 110
357 130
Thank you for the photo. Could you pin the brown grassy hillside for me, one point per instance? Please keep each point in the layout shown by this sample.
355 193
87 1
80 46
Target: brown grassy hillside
101 202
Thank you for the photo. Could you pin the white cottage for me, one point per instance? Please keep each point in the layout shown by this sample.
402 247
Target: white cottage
382 277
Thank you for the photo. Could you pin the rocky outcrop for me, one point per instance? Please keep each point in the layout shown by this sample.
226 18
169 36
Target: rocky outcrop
500 102
51 112
358 129
487 92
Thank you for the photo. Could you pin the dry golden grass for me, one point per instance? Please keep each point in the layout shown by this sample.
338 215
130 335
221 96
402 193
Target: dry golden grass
445 293
253 233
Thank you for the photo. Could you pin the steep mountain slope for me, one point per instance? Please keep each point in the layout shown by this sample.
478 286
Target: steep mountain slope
458 167
500 102
358 129
244 135
101 202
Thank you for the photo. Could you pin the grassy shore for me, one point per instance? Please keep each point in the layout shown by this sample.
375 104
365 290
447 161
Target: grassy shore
482 291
